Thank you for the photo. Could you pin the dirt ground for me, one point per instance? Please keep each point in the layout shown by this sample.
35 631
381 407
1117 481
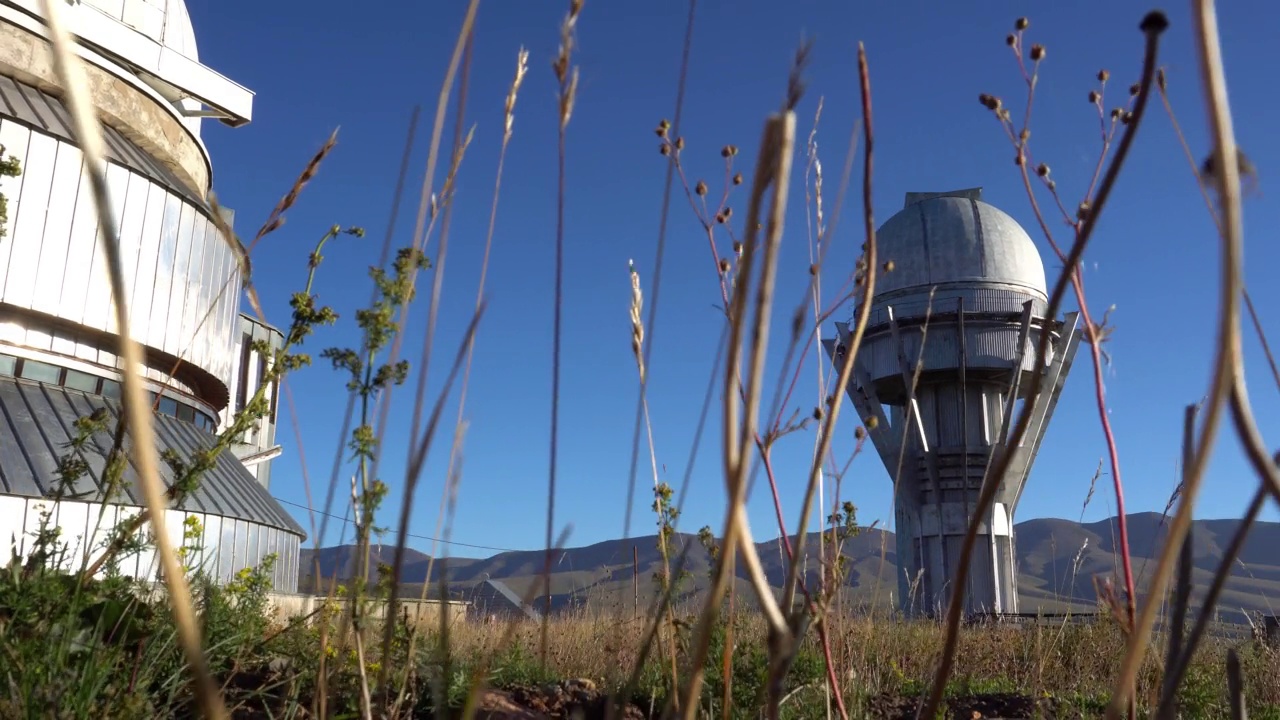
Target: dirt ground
581 700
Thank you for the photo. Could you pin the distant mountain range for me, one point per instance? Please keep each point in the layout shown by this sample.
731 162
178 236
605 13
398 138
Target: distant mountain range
1057 560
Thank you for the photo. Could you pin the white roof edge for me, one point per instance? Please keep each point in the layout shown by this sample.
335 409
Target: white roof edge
139 52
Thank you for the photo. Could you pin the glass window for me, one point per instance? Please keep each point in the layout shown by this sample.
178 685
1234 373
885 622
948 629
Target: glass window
242 391
168 406
41 372
8 365
186 412
111 388
77 380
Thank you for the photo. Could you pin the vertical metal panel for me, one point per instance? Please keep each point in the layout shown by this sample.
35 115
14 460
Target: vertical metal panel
28 227
195 277
38 513
145 280
102 522
233 378
212 542
217 339
98 311
81 253
73 519
55 238
175 339
63 344
131 224
174 527
13 521
201 348
146 558
163 299
227 550
230 308
15 138
128 564
253 554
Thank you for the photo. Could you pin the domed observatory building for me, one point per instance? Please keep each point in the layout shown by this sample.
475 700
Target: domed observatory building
945 366
58 345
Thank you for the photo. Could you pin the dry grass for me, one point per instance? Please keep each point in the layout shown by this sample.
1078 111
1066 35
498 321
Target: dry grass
719 655
1075 661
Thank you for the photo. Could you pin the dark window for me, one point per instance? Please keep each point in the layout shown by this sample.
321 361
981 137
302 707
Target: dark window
242 389
186 412
262 370
8 365
275 396
41 372
77 380
168 406
111 388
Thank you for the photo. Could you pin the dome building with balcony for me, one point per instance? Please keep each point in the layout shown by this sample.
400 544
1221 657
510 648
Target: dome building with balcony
58 339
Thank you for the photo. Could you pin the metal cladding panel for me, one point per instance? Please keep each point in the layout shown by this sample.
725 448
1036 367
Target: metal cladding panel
86 527
36 423
936 300
27 105
988 346
180 274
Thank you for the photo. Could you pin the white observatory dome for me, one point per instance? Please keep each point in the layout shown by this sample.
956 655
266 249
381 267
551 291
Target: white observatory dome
955 239
164 21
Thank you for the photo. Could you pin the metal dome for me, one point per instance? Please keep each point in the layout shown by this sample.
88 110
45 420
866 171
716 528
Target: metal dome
164 21
951 240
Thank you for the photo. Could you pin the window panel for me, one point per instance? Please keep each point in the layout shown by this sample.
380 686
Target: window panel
41 372
111 388
242 378
186 412
227 550
15 139
168 406
48 278
8 365
27 226
98 312
85 382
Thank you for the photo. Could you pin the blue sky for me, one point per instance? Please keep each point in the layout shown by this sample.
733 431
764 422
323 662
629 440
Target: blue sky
319 65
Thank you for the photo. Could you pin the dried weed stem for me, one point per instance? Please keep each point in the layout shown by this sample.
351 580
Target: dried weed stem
88 133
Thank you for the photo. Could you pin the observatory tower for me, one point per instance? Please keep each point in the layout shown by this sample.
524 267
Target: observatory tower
964 308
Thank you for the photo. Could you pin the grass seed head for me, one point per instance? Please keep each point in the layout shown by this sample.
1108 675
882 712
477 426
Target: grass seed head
1021 24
